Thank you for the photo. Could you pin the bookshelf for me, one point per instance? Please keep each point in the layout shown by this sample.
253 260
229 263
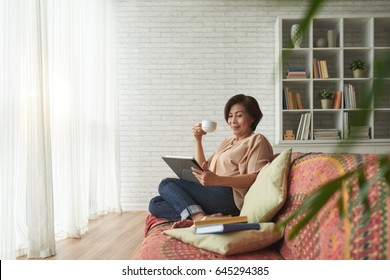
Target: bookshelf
366 38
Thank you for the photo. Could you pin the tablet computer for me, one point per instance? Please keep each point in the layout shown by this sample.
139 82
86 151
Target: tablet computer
182 166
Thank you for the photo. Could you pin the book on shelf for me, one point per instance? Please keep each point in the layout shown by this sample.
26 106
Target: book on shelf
327 137
299 100
320 69
359 137
349 97
288 97
221 228
359 132
296 74
303 130
299 130
315 69
303 70
284 97
306 127
221 220
291 100
345 126
337 100
324 69
326 134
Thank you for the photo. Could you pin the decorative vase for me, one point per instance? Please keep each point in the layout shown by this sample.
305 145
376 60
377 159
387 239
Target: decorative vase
331 38
296 35
321 43
357 73
326 103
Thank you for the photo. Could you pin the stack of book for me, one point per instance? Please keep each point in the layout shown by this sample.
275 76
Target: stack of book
296 74
359 132
224 224
326 134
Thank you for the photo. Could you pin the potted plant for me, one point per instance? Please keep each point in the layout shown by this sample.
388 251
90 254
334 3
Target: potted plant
326 96
357 66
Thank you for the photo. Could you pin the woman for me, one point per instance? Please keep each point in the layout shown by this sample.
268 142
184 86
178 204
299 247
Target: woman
227 174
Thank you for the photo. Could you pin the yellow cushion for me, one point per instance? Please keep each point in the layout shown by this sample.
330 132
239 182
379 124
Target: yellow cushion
229 243
268 193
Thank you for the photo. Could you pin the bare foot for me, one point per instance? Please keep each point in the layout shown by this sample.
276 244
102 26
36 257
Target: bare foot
182 224
203 216
217 215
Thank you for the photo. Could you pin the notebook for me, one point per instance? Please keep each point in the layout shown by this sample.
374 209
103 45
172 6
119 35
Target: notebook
182 166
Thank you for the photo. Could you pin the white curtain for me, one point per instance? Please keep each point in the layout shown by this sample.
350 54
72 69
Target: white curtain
59 128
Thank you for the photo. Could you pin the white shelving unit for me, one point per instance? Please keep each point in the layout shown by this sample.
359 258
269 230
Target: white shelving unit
366 38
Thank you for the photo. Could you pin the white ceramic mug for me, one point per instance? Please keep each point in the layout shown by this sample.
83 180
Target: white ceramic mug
209 126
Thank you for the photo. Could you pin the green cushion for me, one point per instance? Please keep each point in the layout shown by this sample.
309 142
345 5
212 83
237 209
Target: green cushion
269 192
229 243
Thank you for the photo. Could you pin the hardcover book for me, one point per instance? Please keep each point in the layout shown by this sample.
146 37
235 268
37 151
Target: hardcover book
220 228
337 100
221 220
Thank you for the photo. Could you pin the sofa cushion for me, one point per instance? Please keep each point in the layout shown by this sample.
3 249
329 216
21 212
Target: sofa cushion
268 193
229 243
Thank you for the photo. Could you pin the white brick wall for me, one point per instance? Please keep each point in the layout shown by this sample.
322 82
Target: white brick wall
179 62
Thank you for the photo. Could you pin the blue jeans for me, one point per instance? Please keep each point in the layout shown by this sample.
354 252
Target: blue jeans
180 199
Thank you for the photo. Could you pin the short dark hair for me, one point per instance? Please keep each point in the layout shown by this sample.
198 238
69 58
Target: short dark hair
251 106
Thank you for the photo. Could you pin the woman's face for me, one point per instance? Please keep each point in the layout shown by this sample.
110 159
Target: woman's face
240 121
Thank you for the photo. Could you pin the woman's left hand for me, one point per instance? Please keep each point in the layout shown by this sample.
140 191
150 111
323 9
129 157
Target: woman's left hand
205 176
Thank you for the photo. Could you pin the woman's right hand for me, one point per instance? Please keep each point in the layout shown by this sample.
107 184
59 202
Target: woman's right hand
198 131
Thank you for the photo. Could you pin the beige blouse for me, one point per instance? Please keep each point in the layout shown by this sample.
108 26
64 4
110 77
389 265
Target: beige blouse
246 156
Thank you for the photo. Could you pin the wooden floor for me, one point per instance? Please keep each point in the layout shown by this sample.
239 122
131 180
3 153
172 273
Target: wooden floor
111 237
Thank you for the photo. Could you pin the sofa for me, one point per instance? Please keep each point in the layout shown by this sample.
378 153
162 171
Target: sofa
327 236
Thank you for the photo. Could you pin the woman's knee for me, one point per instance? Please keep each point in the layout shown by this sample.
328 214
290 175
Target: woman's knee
166 184
153 203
